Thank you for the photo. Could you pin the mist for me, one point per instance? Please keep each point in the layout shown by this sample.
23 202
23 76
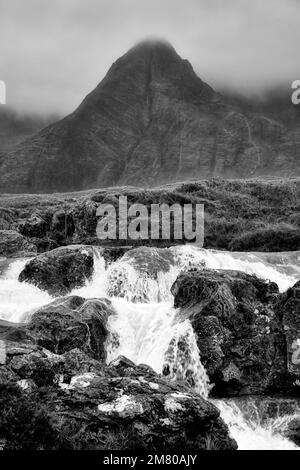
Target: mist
53 53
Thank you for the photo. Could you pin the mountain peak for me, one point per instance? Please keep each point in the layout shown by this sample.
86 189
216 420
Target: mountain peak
150 120
153 44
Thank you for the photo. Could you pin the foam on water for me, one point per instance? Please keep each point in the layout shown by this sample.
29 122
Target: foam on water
246 262
147 329
19 298
252 435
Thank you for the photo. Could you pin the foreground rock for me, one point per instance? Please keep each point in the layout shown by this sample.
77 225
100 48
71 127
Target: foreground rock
241 337
127 407
13 243
69 323
60 270
65 336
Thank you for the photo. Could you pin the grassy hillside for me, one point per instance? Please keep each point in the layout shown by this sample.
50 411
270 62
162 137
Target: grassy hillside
240 215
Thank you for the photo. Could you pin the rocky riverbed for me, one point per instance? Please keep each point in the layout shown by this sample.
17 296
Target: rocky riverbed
191 334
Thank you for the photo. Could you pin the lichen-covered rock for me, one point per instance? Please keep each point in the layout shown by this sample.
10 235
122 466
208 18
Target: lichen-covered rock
60 270
240 337
13 243
27 361
124 412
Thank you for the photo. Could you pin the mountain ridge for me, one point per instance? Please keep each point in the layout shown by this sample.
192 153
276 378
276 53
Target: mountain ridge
150 120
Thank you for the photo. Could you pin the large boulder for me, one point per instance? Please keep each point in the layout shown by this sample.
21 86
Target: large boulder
71 322
62 339
134 409
240 337
150 260
288 310
60 270
13 243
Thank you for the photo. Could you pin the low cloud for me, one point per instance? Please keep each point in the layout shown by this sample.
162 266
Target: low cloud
53 53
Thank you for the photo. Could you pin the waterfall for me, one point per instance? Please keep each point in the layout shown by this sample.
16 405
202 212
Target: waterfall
17 298
147 329
250 433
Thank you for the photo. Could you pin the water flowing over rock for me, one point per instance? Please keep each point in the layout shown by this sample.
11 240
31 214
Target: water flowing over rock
61 270
241 340
54 357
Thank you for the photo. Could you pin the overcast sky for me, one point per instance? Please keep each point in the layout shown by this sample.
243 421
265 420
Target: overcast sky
53 52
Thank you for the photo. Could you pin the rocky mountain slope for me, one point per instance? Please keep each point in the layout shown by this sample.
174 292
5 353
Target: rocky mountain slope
150 120
16 127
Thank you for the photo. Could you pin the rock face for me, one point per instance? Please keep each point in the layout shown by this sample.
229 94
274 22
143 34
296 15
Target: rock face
288 310
124 407
60 270
62 339
71 322
150 120
57 393
13 243
241 337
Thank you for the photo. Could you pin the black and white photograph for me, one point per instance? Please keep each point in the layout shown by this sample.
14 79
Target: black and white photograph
149 228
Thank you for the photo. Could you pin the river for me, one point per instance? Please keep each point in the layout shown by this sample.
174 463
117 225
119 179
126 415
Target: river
146 328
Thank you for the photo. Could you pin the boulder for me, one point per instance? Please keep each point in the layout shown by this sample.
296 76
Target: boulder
60 270
288 309
240 337
35 226
130 411
27 361
13 243
150 260
292 431
69 323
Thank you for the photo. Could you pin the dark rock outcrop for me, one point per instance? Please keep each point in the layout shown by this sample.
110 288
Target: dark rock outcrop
240 336
62 339
13 243
151 120
288 310
131 409
71 322
60 270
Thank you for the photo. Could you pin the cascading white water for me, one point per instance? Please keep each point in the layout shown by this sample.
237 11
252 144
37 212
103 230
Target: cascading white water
16 297
146 327
253 435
